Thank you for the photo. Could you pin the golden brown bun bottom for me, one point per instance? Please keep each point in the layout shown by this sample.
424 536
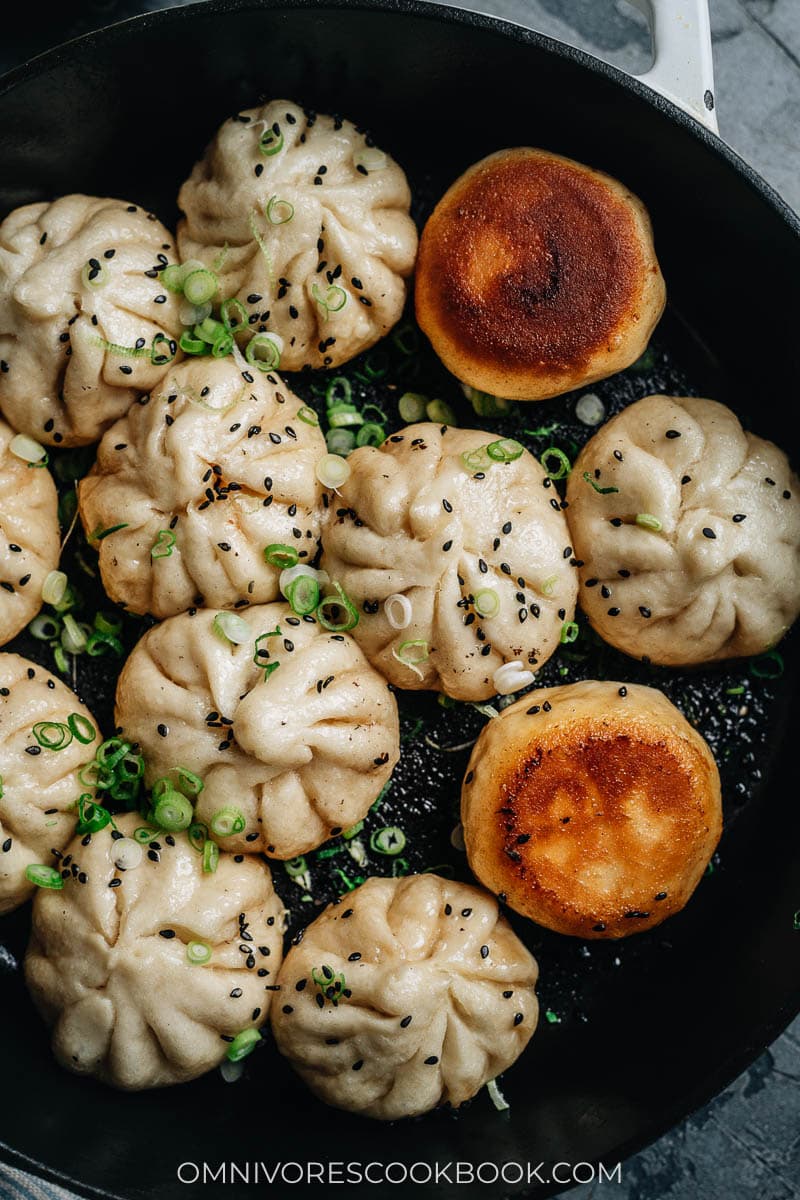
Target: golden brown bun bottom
594 807
536 275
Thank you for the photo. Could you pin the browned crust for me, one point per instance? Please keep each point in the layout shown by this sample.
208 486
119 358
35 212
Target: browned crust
537 271
598 828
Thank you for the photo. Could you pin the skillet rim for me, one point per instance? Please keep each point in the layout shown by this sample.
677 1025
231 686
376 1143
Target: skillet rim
711 1085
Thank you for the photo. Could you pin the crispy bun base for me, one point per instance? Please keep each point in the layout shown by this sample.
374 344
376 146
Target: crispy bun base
596 818
536 275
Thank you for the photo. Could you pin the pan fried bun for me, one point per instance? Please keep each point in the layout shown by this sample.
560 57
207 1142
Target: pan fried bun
536 275
594 807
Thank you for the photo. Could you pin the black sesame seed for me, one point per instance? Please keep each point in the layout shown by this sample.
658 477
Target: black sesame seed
431 1060
672 433
162 730
613 612
623 691
645 611
166 933
484 951
356 1065
518 1018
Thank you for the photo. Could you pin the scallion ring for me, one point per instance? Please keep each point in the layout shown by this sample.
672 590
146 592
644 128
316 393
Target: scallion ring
344 415
371 434
505 450
295 867
486 603
92 816
44 877
163 545
548 586
569 632
210 856
602 491
564 465
81 728
161 357
173 812
54 587
264 351
197 834
411 654
303 595
172 277
29 450
339 391
199 287
73 637
484 404
223 346
231 628
398 610
338 601
244 1043
44 628
332 471
193 345
234 314
198 953
278 212
307 415
769 665
278 554
440 413
411 407
648 521
227 822
390 840
340 442
331 300
271 141
371 159
52 735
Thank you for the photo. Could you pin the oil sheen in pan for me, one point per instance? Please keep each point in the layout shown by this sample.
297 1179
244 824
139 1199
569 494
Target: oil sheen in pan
734 709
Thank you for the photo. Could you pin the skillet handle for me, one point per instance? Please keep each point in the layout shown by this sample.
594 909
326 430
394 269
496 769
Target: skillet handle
683 68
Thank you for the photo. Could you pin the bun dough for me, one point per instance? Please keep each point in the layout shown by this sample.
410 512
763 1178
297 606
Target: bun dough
349 230
36 789
224 465
594 807
439 997
65 376
29 537
537 275
302 753
413 519
107 967
721 577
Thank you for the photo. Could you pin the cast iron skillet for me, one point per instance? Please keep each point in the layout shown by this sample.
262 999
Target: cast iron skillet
640 1032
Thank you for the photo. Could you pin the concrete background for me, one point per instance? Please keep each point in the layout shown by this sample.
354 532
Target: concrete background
746 1143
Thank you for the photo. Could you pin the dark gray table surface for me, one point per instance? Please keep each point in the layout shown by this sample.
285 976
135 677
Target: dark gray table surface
746 1142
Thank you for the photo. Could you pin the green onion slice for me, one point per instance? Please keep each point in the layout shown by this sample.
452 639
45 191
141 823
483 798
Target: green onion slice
343 416
440 413
279 211
296 867
198 953
173 812
648 521
264 352
371 434
339 391
163 545
227 822
331 299
340 442
92 817
52 735
44 877
334 603
172 277
271 140
210 857
99 534
44 628
231 628
163 350
245 1042
411 407
197 834
390 840
81 728
278 554
307 415
303 594
487 603
233 313
769 665
564 466
569 632
192 345
200 286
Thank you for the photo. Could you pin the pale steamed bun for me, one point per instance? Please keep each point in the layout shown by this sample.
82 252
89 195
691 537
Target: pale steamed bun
301 750
108 966
216 465
414 519
594 808
37 785
404 995
695 553
29 536
307 224
85 323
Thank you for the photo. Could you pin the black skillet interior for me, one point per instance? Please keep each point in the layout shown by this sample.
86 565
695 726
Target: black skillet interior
635 1034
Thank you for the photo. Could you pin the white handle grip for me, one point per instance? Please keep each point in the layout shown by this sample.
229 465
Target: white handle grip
683 67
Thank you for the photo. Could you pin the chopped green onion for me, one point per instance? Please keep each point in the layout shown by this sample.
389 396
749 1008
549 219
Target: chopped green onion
411 407
197 834
192 345
81 728
307 415
411 654
264 352
769 665
350 833
44 877
73 638
188 783
483 403
564 465
54 587
440 413
200 286
278 554
604 491
333 299
271 141
94 274
296 867
60 658
332 397
260 655
569 632
227 822
487 603
44 628
343 416
92 817
332 984
371 434
279 211
198 953
210 857
648 521
548 587
390 840
98 644
173 812
340 442
223 346
505 450
209 330
406 339
340 600
245 1042
332 471
551 1017
303 594
233 306
160 358
371 159
163 545
30 451
590 409
231 628
99 534
52 735
172 277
